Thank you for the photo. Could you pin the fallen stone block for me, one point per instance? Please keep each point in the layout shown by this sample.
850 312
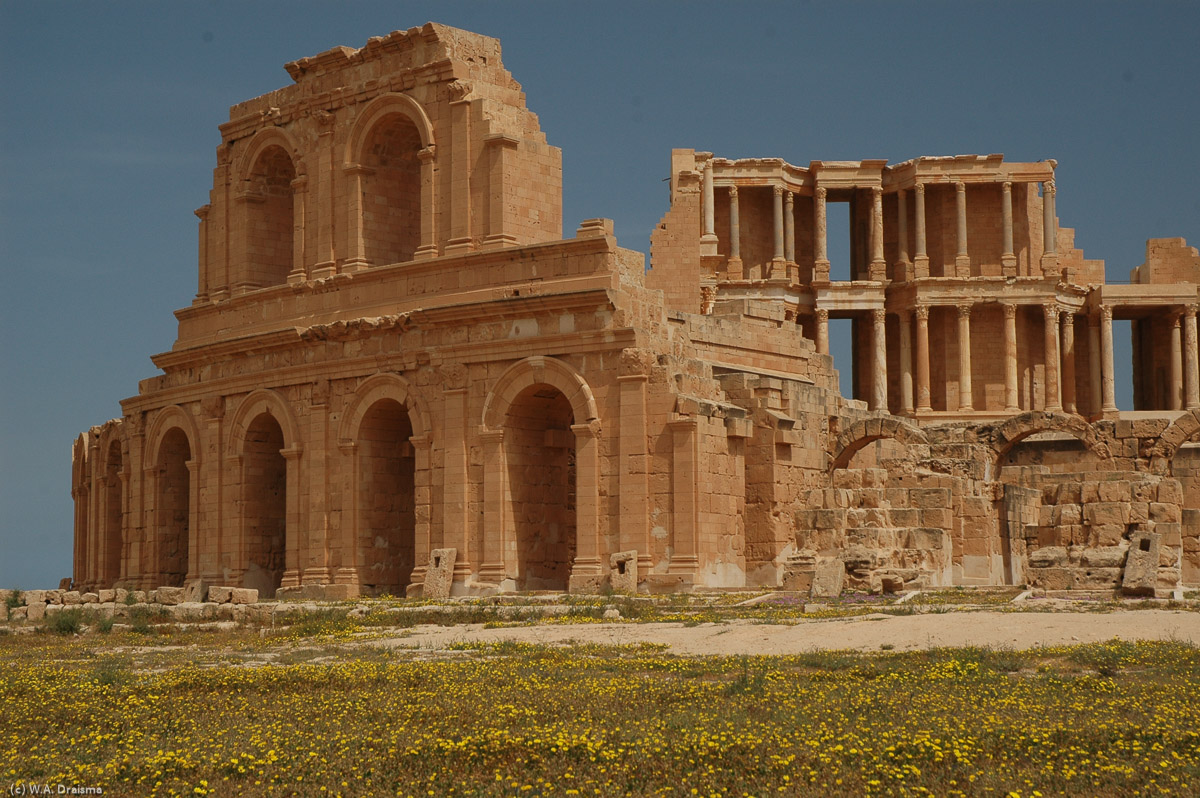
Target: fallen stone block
35 611
828 579
219 594
106 596
440 574
624 574
169 596
195 591
1141 564
64 583
71 597
34 597
341 592
243 595
90 598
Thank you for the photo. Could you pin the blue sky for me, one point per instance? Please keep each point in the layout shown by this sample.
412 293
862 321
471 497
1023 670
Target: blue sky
110 114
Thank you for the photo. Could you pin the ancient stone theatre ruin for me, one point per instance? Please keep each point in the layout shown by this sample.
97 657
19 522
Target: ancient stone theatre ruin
395 364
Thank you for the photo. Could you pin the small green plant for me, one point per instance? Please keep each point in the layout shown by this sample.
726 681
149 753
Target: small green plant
746 683
104 625
14 600
130 599
886 646
67 622
139 622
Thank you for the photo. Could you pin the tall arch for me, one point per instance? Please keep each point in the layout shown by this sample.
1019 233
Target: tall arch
540 411
385 436
112 537
270 213
389 166
173 449
264 439
1019 427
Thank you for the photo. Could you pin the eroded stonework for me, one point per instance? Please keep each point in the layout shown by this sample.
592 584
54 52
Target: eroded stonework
393 353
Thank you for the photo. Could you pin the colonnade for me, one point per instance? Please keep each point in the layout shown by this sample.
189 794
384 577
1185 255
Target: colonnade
1059 358
783 228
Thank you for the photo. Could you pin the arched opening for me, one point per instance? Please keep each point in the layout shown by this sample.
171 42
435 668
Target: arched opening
387 513
264 504
173 505
111 556
540 455
270 218
391 201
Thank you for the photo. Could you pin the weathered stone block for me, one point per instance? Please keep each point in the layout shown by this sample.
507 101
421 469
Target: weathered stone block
72 597
35 611
169 596
1048 557
828 579
1104 557
220 594
106 596
1098 513
89 598
439 576
243 595
624 574
1141 563
1107 535
194 591
343 592
1164 513
33 597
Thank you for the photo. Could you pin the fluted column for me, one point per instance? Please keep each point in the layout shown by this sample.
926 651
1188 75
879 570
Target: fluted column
922 314
1175 378
822 316
1053 402
1010 358
906 376
962 261
1108 381
902 272
735 236
777 228
1191 376
879 361
789 235
878 268
1068 362
964 357
1008 260
921 259
820 229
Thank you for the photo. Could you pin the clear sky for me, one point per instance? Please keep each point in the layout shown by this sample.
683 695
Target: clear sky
108 130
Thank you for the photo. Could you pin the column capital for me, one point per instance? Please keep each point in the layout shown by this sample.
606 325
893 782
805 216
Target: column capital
1175 315
820 192
788 197
1051 311
1106 314
1191 309
733 191
960 186
922 312
877 192
1010 310
1049 188
822 314
964 310
1007 185
427 154
920 188
778 189
878 315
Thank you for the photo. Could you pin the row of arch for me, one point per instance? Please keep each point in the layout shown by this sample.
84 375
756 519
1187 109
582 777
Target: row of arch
386 430
385 152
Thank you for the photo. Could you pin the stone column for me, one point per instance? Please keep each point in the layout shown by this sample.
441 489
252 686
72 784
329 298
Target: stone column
789 236
902 232
589 553
685 494
922 313
634 467
193 541
921 259
962 261
456 491
1008 260
820 229
1049 222
735 236
1108 380
203 280
500 149
906 376
1053 402
879 361
707 198
423 510
495 505
822 316
1191 377
1175 373
878 264
1096 369
326 263
348 544
428 248
777 228
1068 362
965 401
295 546
1010 358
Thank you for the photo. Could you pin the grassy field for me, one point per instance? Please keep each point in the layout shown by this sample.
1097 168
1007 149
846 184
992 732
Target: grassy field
312 710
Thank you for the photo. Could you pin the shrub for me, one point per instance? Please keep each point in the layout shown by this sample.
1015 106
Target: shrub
67 622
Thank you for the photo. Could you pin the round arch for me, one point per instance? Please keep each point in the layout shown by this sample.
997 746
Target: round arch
262 401
1177 433
385 385
1020 427
164 421
260 141
539 370
866 431
377 109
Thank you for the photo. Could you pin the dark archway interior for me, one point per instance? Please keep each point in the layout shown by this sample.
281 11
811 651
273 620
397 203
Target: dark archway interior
265 504
173 507
387 505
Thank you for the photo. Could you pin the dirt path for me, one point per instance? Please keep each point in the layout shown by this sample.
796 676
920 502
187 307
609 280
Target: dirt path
1014 630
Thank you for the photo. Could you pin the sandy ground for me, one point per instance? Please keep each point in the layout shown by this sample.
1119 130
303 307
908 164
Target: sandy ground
1010 630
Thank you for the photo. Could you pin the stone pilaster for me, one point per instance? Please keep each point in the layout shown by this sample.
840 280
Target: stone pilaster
1096 369
902 271
356 258
428 247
